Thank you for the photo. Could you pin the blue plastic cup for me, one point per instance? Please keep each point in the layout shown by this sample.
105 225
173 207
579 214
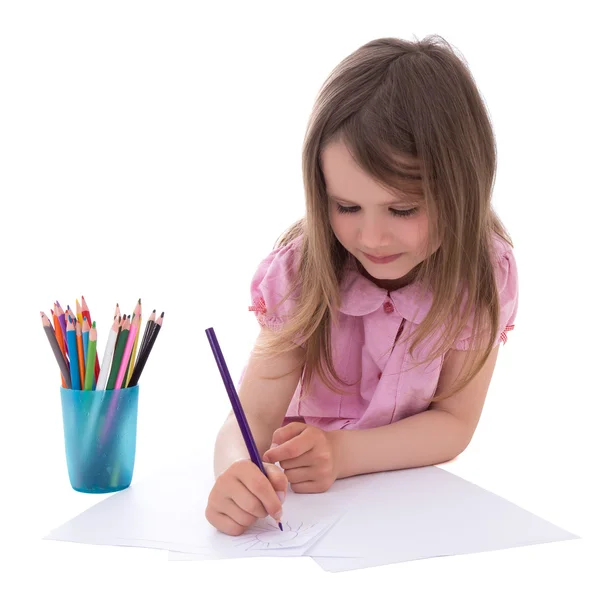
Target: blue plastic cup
100 433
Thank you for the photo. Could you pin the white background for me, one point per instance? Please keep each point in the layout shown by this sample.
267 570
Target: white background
153 149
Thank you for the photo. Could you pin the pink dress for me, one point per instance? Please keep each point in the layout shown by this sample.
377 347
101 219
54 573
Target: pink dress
385 387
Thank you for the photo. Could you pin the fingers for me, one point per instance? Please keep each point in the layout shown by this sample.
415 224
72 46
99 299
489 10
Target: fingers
242 494
246 502
263 490
292 448
224 523
289 431
277 477
310 487
308 480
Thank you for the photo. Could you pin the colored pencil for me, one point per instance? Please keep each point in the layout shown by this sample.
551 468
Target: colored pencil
236 404
149 326
60 335
85 334
108 355
118 355
60 359
139 367
73 362
59 339
137 310
127 352
63 325
78 312
85 311
80 358
91 358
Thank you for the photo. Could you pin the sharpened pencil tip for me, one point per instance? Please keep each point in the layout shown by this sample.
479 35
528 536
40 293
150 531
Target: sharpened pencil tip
280 526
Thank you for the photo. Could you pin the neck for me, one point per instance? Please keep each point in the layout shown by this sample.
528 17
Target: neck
390 284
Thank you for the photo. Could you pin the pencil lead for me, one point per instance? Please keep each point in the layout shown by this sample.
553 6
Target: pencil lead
94 324
162 314
280 525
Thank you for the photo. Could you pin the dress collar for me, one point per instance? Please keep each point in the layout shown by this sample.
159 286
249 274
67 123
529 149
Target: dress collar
359 296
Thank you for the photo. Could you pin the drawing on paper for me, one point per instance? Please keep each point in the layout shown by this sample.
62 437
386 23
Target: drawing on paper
265 536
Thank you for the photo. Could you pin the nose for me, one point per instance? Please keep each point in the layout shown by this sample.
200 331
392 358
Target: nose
372 232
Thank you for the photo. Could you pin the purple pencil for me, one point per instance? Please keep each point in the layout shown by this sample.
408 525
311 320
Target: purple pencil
236 404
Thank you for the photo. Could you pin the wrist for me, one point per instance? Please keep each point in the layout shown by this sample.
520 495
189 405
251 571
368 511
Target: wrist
336 442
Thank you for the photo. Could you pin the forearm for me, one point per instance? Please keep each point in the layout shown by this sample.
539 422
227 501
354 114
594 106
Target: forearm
230 445
427 438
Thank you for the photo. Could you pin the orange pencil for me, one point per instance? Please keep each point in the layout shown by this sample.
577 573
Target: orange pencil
80 350
60 340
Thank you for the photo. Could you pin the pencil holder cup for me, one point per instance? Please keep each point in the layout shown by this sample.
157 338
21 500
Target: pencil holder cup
100 436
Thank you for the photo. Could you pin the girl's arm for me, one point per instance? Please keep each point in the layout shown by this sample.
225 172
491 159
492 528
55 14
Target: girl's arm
265 403
434 436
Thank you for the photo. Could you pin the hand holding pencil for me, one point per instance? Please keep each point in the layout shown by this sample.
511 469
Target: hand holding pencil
247 489
242 494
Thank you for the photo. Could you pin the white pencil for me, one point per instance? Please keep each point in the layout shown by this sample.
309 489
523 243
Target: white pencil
108 355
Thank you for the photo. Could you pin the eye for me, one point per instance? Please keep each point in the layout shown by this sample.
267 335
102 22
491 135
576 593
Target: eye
395 212
404 213
347 209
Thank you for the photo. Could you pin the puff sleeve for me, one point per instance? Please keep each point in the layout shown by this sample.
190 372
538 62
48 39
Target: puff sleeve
507 282
271 283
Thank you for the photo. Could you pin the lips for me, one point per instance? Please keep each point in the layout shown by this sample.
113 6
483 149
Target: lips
382 259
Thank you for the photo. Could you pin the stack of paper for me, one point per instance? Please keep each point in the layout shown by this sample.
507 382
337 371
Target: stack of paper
361 521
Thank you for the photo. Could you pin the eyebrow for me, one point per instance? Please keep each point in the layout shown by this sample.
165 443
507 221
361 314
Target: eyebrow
397 201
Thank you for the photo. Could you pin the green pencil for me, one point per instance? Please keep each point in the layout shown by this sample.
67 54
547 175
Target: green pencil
118 355
91 358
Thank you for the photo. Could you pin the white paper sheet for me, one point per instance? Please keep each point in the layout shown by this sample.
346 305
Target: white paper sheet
167 511
420 513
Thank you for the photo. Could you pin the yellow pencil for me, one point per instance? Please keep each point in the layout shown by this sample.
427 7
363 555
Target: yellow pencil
78 311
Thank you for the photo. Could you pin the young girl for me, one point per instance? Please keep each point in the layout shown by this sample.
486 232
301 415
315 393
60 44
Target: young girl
381 310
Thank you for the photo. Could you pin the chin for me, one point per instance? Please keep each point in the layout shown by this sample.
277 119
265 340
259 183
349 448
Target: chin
384 271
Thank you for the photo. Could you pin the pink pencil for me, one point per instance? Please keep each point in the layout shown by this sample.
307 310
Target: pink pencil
127 352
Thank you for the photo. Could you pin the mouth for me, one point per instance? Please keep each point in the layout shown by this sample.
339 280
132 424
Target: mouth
382 259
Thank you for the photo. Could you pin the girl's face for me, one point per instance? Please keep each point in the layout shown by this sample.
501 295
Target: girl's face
371 222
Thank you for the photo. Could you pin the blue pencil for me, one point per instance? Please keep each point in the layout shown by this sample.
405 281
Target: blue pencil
73 363
236 404
86 341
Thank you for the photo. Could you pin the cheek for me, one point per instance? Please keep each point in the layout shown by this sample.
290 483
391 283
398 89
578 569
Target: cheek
339 225
415 233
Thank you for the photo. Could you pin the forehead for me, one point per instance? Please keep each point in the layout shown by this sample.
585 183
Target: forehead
344 177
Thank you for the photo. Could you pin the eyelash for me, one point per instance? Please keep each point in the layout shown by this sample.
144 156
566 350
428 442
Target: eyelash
395 213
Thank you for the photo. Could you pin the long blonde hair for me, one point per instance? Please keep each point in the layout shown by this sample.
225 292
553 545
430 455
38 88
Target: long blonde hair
389 98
